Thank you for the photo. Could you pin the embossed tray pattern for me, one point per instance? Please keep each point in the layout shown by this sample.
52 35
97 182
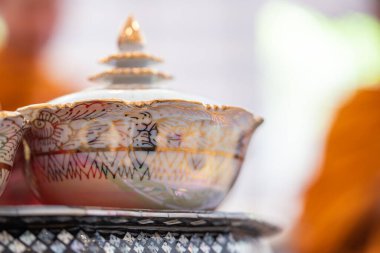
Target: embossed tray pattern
65 229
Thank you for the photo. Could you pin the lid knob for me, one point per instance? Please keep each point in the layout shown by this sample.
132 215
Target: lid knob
131 64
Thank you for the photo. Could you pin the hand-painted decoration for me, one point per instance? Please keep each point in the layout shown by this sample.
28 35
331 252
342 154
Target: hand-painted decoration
11 131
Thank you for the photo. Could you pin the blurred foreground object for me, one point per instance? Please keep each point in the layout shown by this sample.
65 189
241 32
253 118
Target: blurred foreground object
29 26
341 206
311 63
342 211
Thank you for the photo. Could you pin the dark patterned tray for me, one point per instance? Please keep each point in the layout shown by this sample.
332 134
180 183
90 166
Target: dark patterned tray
65 229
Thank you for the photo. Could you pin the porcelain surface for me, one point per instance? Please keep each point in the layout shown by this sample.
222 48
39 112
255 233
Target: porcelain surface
131 95
160 154
132 143
11 130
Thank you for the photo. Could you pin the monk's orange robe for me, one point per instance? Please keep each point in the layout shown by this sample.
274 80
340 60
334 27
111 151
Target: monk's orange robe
342 206
23 82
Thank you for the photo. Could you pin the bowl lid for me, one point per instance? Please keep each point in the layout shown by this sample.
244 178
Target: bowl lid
131 77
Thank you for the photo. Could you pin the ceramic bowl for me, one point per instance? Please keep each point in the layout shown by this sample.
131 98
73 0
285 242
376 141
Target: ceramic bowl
172 154
12 125
133 143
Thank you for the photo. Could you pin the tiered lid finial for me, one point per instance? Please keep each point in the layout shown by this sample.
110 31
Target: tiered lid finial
131 64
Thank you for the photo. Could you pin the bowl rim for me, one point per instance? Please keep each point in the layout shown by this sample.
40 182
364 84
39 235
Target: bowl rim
206 107
10 114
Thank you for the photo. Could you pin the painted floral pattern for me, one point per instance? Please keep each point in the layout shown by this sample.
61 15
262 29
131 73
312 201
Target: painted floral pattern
172 153
11 131
49 131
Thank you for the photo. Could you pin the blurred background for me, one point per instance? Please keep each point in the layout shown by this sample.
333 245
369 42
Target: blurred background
292 62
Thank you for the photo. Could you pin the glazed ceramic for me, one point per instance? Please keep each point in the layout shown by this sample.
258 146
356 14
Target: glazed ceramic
11 130
135 144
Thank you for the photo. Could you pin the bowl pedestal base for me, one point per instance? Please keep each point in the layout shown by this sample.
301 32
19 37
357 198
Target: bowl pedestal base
61 229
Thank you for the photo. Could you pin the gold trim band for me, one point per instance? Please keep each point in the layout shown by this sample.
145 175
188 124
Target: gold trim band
130 71
130 56
147 149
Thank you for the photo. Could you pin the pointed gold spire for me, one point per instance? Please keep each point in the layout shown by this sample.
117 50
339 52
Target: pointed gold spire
131 34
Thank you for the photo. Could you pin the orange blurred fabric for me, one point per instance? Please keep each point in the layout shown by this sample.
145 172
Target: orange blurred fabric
22 82
342 206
